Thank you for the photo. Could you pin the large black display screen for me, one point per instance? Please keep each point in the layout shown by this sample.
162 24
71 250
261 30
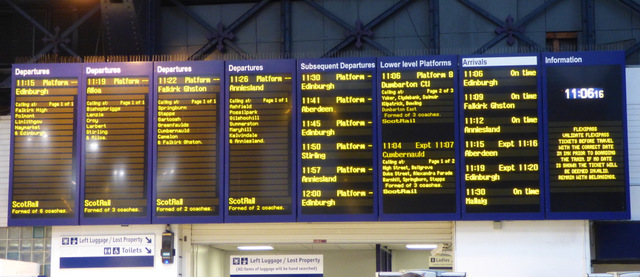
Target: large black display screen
586 125
260 143
188 168
44 139
116 179
501 130
337 178
418 137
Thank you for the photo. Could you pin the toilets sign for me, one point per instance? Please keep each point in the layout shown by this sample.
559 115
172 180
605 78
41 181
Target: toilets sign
107 251
277 265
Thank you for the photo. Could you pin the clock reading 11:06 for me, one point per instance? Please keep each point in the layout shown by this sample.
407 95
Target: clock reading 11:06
584 93
586 144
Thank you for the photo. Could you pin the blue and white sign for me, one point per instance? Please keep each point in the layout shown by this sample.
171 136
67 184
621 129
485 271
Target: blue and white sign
107 251
277 265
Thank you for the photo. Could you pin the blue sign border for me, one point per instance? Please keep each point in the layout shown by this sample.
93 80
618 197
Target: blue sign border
100 262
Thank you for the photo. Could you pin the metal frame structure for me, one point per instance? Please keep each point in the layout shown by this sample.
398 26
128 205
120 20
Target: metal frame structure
54 40
635 7
360 32
221 37
508 29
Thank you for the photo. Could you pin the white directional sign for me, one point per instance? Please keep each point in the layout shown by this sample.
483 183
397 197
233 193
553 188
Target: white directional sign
107 251
277 265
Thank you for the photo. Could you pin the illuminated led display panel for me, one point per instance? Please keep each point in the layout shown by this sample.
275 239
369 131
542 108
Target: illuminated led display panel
492 137
44 145
260 143
337 127
116 163
186 141
501 130
417 112
586 135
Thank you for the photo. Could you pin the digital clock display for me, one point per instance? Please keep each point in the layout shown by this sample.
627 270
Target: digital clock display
586 140
584 93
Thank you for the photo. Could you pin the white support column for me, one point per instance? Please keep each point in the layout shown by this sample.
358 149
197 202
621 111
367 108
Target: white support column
522 248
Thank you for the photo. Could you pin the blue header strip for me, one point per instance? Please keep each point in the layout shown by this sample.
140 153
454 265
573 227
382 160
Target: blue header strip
104 262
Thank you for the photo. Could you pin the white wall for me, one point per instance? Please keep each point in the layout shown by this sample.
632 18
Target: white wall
409 259
159 269
18 268
208 261
349 263
522 248
633 130
5 146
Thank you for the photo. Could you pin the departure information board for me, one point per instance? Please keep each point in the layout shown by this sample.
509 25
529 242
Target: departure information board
337 126
586 125
501 135
188 168
418 125
478 137
116 143
260 140
44 153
